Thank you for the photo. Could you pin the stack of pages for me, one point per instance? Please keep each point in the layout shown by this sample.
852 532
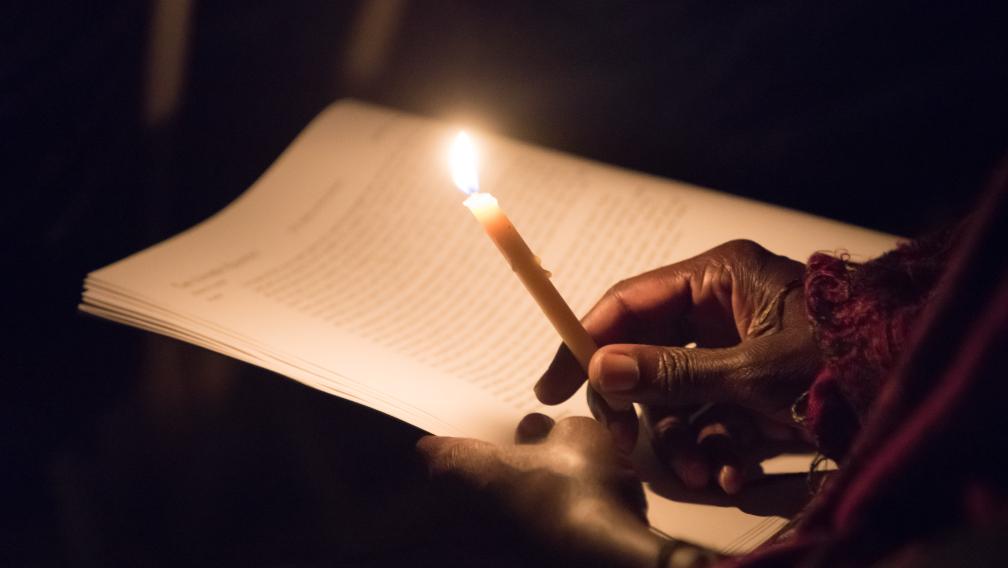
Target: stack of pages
352 266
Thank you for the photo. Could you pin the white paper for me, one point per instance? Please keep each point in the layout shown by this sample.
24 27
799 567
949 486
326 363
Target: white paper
353 267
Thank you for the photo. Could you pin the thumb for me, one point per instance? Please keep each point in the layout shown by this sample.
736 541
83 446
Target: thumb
659 375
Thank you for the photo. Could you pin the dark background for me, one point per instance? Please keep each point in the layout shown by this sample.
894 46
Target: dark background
124 448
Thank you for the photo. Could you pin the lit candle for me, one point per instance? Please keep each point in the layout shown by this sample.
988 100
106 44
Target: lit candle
525 264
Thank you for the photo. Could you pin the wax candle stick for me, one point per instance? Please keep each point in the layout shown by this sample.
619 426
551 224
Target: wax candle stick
526 266
518 254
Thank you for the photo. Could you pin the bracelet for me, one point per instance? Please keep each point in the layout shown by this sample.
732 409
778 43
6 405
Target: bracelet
799 409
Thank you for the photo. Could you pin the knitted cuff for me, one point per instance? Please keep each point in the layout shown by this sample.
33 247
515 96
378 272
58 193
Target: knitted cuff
861 315
828 413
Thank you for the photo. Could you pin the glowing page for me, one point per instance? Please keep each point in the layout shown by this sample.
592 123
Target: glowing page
352 266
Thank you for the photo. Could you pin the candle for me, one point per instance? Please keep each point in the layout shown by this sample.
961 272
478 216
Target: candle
523 262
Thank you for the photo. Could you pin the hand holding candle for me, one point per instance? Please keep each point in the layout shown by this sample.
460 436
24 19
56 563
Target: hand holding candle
524 263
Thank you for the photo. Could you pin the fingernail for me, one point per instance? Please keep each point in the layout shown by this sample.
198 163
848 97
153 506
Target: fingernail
543 392
615 372
730 479
624 436
538 387
693 475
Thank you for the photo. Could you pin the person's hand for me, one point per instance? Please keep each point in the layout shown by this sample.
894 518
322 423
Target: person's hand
565 485
743 308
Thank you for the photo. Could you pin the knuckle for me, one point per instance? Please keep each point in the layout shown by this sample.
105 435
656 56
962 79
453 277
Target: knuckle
675 374
575 427
617 293
744 261
443 458
746 248
456 456
744 373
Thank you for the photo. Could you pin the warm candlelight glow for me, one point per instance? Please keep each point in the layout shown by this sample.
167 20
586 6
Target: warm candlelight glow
481 204
525 265
463 164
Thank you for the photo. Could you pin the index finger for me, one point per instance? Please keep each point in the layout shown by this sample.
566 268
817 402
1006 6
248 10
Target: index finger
642 308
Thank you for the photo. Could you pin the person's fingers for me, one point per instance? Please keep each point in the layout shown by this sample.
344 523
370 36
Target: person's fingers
533 428
726 435
637 309
640 308
622 424
652 308
562 379
590 439
474 461
722 450
675 376
674 442
577 432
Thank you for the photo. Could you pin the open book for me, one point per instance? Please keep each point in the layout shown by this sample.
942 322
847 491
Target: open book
352 266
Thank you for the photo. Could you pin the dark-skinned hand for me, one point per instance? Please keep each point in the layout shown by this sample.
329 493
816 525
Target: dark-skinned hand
566 485
755 354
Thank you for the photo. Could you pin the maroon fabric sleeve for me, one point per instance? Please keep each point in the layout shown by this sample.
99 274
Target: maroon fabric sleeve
929 464
862 315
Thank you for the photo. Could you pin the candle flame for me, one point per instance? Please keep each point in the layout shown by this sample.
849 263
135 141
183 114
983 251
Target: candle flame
463 164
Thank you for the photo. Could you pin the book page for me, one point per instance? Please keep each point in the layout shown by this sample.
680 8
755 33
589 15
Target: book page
352 266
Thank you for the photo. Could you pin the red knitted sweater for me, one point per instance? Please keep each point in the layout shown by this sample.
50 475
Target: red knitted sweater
912 401
862 315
